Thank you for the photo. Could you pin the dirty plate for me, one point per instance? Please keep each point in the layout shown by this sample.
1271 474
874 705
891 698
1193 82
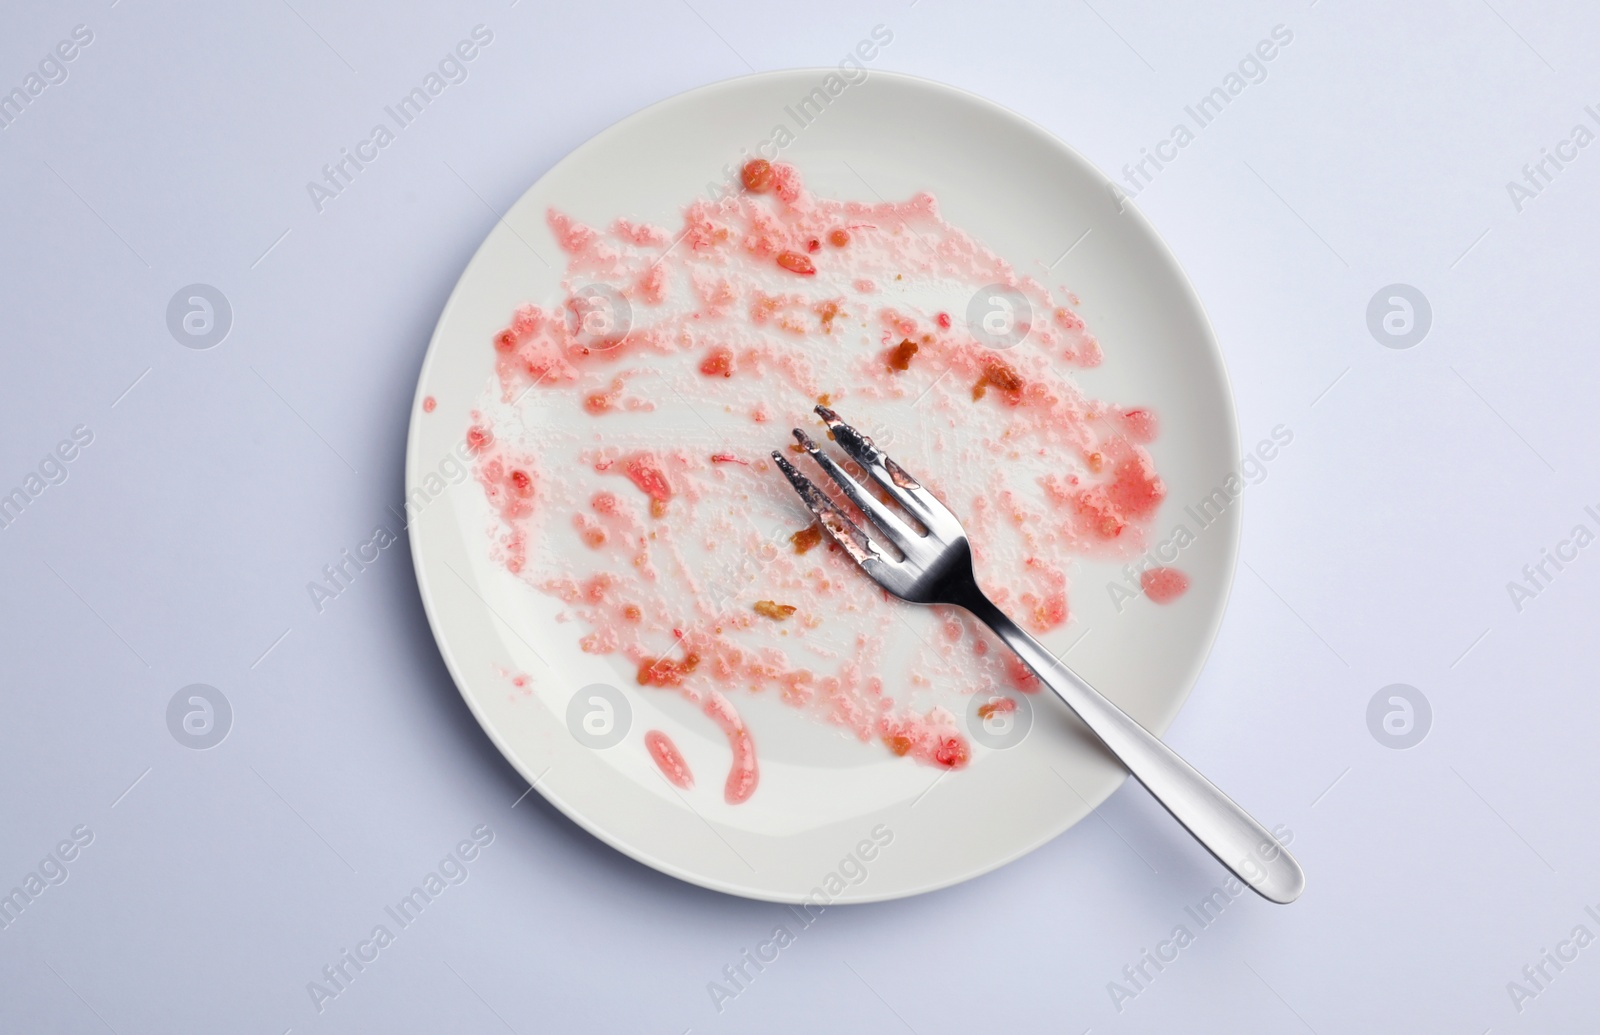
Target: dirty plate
834 818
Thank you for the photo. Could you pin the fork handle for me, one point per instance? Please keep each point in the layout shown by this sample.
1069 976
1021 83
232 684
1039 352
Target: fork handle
1216 821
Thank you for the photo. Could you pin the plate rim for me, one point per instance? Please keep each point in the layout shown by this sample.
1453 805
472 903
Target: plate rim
1213 625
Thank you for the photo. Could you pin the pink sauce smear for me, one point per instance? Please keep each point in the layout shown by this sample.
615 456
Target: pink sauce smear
1163 585
627 465
742 774
668 759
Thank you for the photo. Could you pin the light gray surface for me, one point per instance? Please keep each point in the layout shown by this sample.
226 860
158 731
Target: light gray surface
1377 549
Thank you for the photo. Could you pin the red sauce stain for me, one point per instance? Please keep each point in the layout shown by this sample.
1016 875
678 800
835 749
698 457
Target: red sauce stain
1135 488
718 362
603 401
786 183
757 175
1139 424
652 284
428 404
898 323
593 535
925 739
1046 613
643 472
1097 514
952 752
1068 320
668 759
742 773
787 346
1021 676
595 589
1163 585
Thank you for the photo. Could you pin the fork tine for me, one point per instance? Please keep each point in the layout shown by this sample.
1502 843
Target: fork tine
842 530
896 481
885 520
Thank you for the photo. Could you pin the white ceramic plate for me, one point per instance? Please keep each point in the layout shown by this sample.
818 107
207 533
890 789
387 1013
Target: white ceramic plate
833 818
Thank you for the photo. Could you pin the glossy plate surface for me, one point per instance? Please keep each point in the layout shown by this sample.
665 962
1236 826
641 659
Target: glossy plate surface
1030 198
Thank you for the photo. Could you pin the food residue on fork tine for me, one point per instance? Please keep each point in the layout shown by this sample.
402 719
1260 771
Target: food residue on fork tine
626 445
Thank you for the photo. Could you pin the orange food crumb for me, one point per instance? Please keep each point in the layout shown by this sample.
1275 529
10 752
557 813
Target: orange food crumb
806 538
900 355
999 374
666 671
773 610
996 706
797 262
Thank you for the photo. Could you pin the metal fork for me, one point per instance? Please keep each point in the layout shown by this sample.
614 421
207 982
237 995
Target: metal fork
936 568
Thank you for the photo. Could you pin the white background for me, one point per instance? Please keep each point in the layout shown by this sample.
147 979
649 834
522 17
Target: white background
1378 550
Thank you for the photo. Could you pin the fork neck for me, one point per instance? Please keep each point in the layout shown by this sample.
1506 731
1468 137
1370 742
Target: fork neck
1037 657
1010 633
968 594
